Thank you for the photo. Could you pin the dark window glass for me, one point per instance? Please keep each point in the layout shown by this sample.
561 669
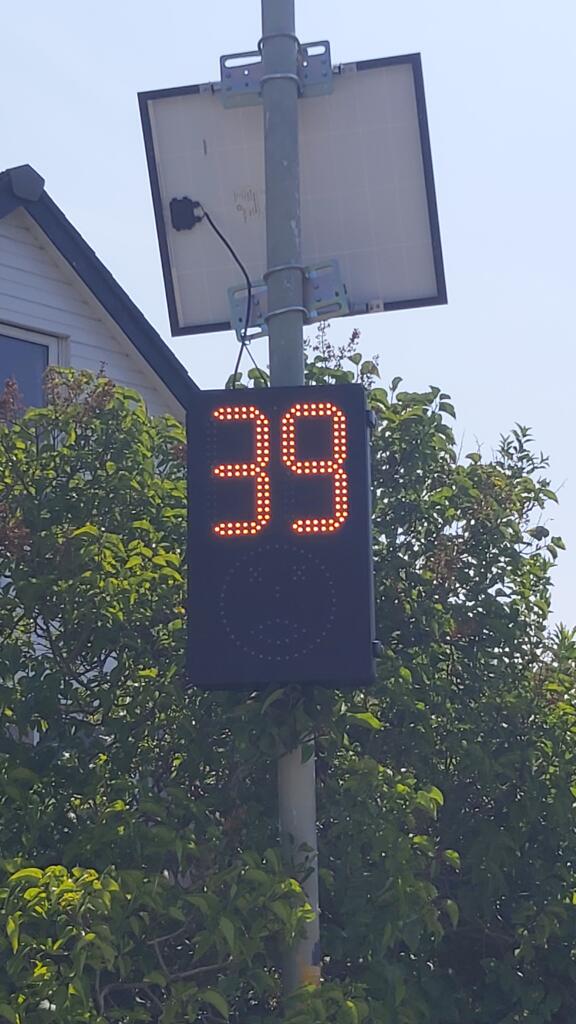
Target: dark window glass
26 362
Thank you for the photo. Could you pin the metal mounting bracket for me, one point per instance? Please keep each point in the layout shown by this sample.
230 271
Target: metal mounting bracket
325 296
241 74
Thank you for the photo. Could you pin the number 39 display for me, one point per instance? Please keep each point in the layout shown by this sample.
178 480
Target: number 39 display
279 545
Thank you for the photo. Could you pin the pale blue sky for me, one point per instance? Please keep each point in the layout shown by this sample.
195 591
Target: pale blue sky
499 80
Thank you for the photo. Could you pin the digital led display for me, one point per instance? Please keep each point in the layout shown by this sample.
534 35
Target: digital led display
279 540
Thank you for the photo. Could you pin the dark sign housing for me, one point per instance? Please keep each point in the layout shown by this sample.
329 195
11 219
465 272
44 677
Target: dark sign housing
279 540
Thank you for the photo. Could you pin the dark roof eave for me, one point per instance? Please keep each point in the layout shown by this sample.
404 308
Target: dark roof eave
23 187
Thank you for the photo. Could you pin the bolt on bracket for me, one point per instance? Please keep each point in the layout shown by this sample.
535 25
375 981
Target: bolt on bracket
325 296
241 74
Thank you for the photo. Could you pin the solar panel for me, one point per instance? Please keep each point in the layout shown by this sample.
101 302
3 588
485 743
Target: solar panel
367 191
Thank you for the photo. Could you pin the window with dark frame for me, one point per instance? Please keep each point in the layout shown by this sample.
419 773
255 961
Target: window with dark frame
25 362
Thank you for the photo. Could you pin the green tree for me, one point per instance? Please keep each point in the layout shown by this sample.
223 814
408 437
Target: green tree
141 878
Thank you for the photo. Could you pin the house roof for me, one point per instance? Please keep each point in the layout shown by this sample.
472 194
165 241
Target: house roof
22 187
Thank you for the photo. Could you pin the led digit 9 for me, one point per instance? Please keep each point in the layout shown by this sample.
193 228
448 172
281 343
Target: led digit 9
241 470
315 467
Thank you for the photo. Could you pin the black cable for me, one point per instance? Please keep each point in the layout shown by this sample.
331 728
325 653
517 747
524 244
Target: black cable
255 364
244 340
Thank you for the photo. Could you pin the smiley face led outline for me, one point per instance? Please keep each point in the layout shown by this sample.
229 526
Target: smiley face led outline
256 470
278 636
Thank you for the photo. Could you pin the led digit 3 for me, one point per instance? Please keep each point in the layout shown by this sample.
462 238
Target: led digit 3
240 470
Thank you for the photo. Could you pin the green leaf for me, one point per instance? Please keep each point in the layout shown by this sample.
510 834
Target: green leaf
88 528
155 978
201 902
453 912
448 408
351 1012
281 910
272 698
378 395
551 495
369 369
216 1000
355 358
76 987
32 893
452 858
257 875
538 532
141 524
366 719
227 929
34 873
23 775
257 374
116 806
427 803
13 932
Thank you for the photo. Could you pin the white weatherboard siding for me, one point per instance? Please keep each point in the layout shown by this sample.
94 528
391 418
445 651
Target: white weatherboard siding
40 292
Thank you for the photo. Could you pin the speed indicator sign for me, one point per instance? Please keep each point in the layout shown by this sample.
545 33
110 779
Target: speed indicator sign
279 539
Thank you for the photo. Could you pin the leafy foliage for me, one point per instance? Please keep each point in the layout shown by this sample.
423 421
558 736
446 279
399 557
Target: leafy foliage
140 875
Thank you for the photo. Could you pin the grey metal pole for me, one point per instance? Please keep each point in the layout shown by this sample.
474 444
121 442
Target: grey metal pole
296 781
280 103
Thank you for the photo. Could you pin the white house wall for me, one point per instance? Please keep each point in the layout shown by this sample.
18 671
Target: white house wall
40 292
